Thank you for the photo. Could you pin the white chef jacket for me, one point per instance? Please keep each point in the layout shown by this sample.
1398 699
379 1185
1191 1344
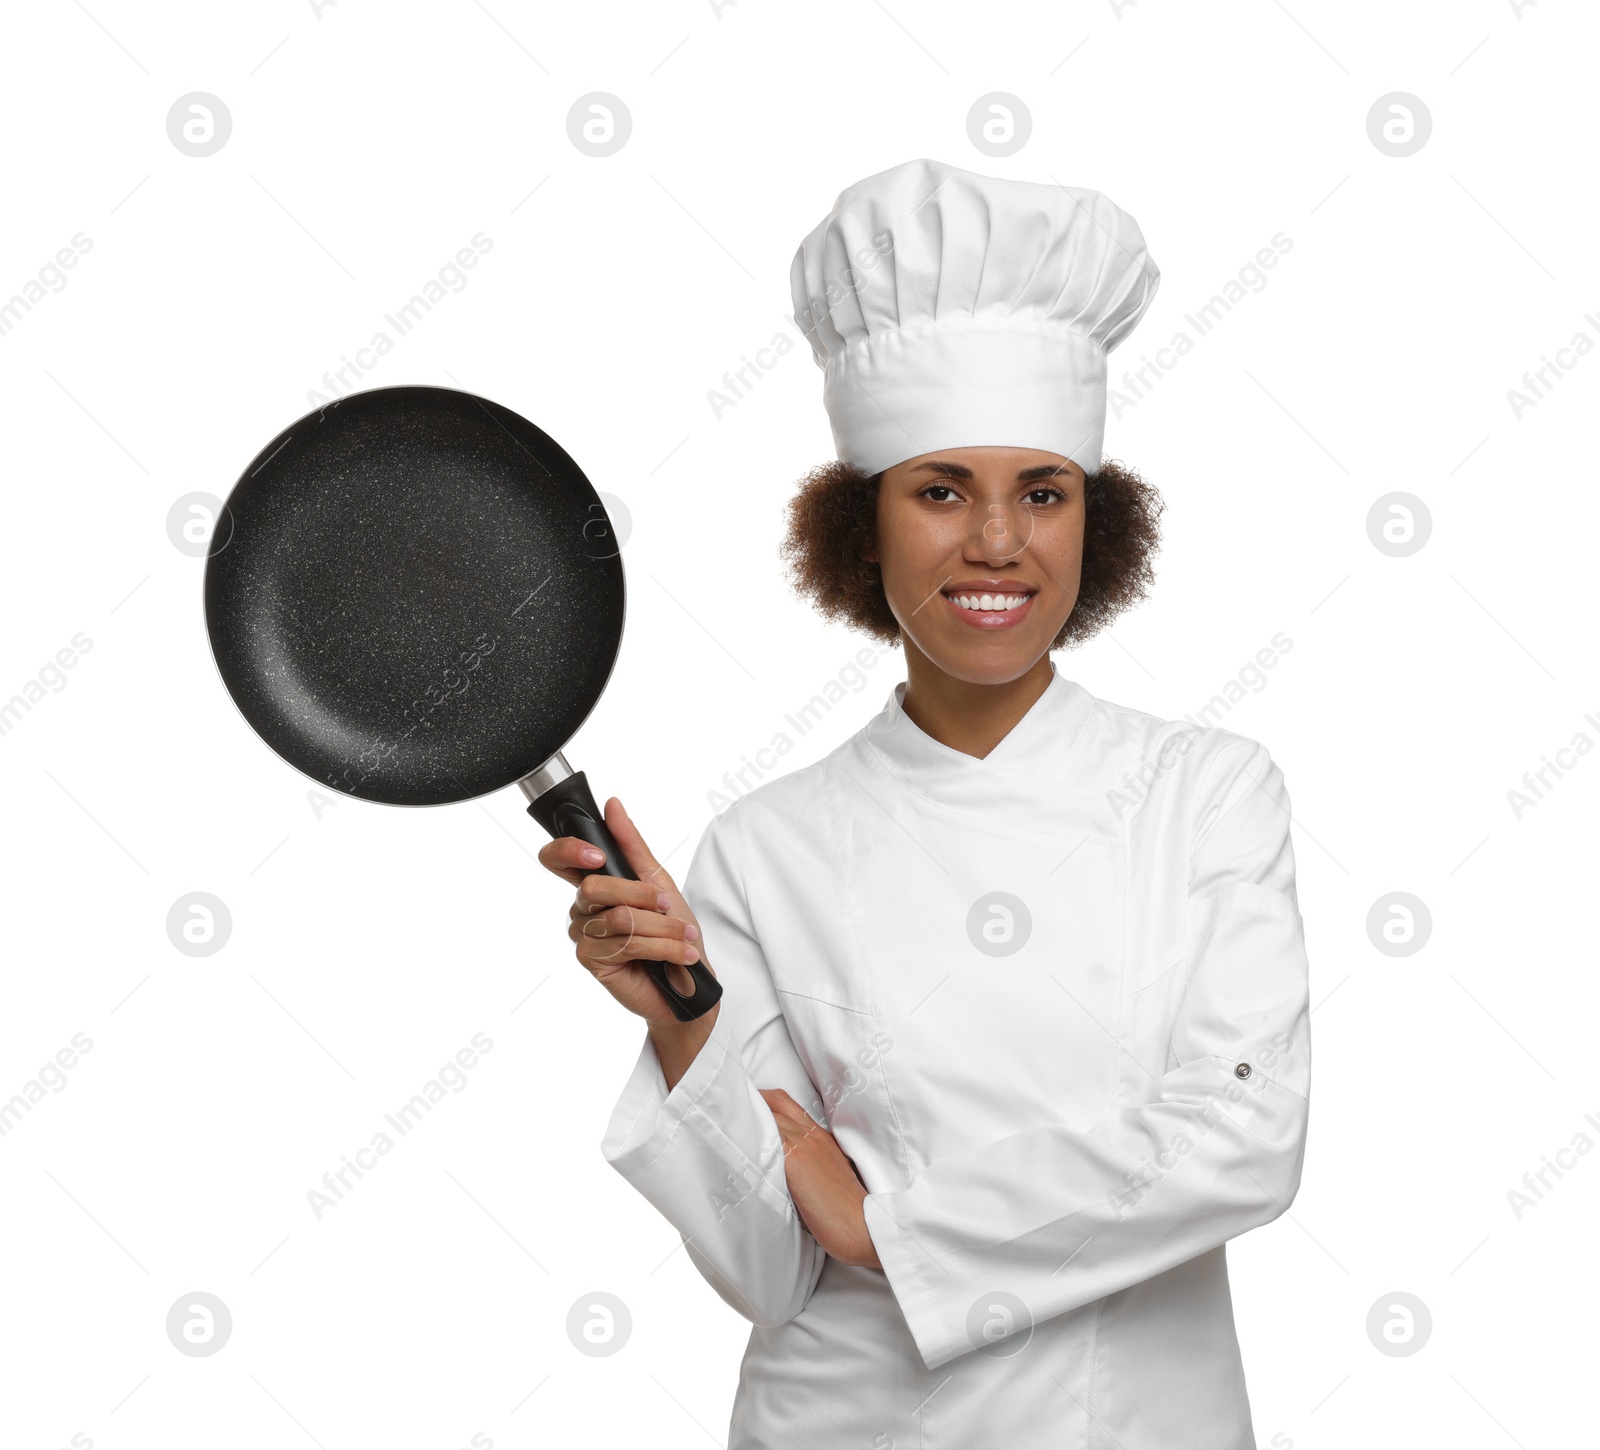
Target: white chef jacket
1053 1005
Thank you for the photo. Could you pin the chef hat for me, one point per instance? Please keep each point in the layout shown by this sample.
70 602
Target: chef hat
950 310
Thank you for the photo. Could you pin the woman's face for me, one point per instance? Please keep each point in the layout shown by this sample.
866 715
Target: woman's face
980 551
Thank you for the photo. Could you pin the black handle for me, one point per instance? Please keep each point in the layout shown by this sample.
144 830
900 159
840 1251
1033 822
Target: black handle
568 809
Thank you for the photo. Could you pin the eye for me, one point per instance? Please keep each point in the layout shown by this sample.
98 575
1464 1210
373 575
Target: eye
1050 491
935 488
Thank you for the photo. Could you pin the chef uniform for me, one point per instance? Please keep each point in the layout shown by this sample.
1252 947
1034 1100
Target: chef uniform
1052 1002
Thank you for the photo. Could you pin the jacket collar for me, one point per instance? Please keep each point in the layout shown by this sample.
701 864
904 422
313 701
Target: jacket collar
1037 747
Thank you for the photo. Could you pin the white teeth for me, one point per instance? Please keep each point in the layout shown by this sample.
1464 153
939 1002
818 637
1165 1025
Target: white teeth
990 601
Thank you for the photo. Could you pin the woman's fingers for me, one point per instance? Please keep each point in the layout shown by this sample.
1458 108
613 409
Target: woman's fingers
626 933
784 1108
627 921
596 893
795 1124
638 855
609 951
568 857
789 1132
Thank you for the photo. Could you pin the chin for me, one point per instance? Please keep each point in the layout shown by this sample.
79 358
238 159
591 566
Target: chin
996 661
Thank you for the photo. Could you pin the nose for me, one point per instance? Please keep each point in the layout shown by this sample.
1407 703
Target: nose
999 532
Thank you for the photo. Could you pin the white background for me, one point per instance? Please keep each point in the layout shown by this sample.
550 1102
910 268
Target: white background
369 944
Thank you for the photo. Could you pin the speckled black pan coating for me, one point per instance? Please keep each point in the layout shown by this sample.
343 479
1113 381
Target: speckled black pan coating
414 596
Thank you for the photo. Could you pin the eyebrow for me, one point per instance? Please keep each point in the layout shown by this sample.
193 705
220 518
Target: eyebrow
960 470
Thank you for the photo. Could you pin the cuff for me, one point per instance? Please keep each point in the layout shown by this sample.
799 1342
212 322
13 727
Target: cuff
910 1270
647 1115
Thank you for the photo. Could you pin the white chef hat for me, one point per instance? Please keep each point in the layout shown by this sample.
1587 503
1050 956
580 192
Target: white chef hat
950 310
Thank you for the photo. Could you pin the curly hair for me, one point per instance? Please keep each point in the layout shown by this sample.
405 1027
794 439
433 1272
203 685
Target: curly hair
832 522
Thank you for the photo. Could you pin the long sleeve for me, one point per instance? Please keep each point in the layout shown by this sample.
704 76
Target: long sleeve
708 1154
1061 1217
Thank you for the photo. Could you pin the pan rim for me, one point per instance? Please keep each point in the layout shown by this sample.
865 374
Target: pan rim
261 740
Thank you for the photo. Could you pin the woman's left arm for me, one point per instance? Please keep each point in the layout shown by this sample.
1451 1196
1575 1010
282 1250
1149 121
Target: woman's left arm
1060 1217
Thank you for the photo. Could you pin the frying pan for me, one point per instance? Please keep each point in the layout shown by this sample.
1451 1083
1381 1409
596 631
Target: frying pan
415 597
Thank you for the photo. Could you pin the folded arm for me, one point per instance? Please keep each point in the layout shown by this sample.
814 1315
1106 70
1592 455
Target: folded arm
1060 1217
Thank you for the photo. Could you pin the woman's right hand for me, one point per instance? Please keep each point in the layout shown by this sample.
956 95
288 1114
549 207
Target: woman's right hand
617 923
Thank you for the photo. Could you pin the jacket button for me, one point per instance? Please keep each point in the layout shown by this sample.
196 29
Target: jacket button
1242 1070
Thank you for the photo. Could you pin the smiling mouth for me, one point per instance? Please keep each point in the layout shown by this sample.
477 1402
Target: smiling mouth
990 609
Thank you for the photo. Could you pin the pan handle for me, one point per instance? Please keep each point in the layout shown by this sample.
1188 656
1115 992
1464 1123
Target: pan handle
567 808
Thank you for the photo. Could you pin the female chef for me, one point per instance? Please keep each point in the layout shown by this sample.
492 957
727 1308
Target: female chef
1014 1032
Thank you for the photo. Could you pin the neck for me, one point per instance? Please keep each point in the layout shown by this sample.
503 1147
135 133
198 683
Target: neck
967 717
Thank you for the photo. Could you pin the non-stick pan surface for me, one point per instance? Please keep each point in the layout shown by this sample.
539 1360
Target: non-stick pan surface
414 596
